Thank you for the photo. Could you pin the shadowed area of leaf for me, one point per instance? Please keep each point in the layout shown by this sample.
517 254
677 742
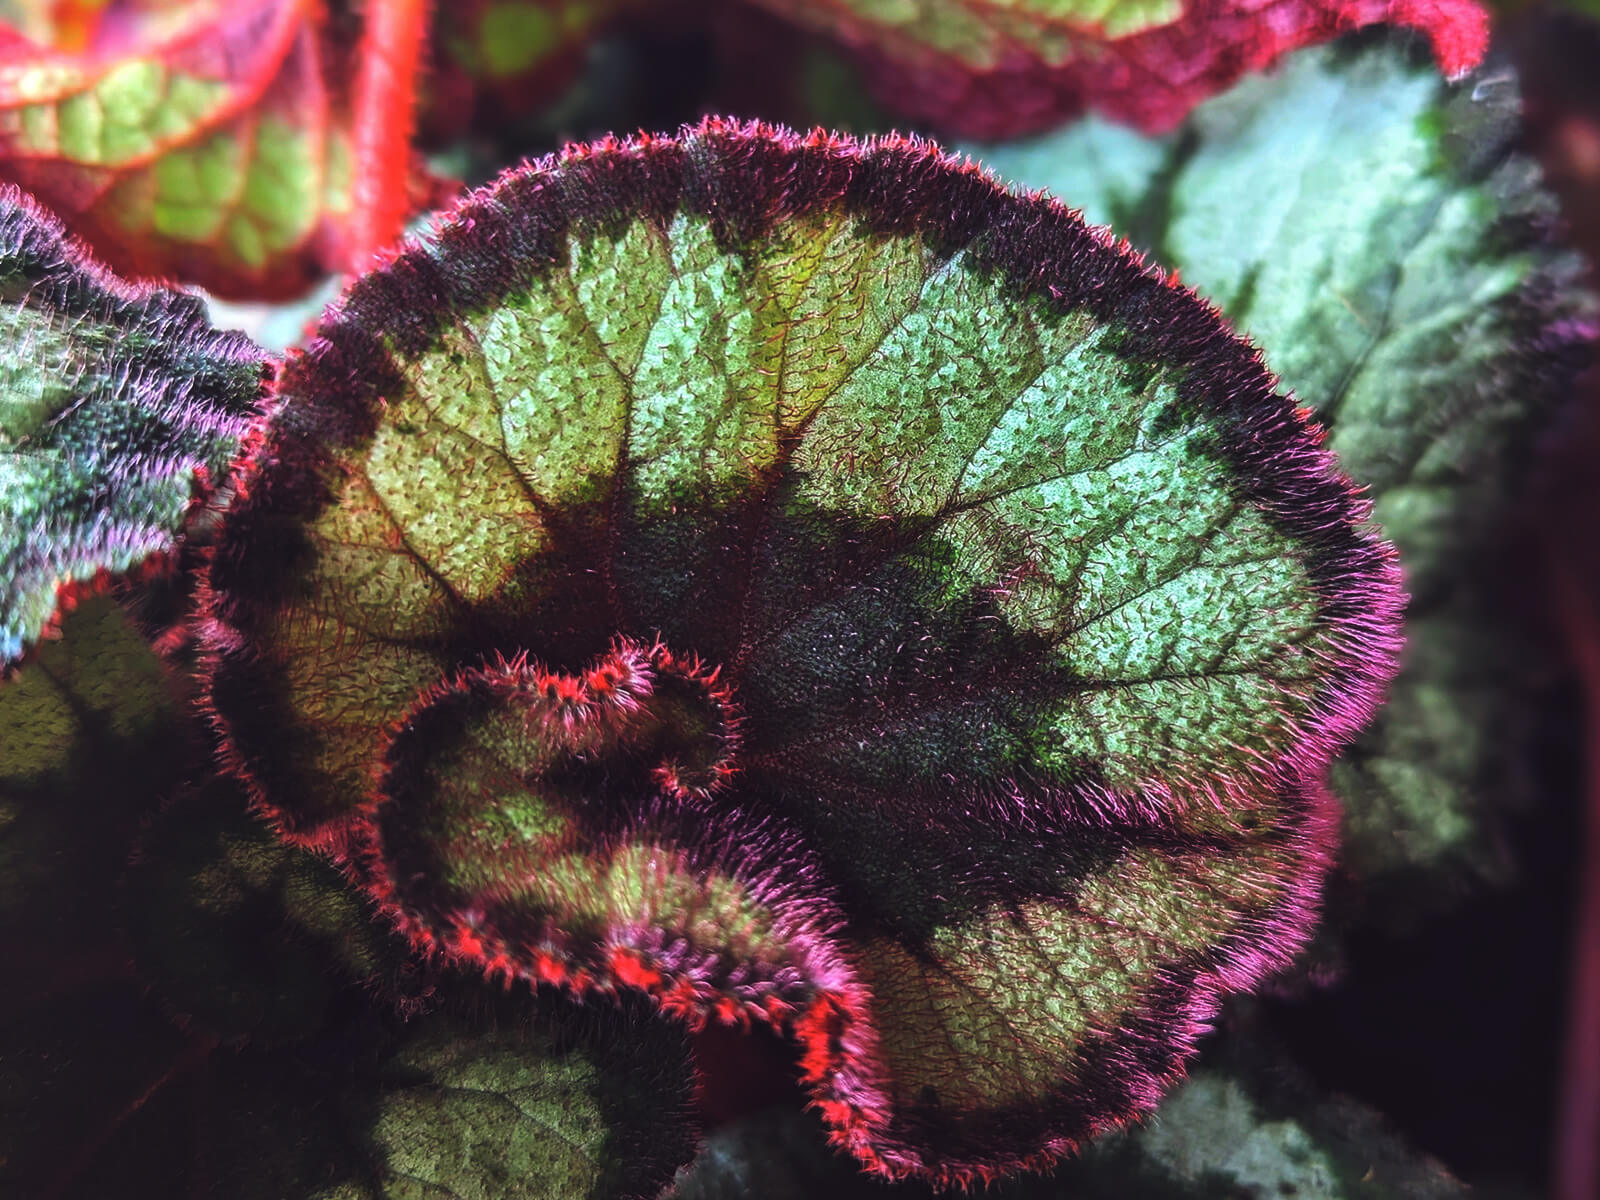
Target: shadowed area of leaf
241 936
92 737
491 1098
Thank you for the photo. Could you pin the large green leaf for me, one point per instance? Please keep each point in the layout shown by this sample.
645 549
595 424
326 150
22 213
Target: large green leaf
803 581
1399 273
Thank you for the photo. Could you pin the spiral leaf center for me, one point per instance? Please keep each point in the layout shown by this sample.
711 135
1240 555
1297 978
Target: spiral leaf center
496 776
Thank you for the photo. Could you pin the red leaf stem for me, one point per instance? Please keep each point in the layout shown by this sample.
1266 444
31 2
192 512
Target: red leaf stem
385 116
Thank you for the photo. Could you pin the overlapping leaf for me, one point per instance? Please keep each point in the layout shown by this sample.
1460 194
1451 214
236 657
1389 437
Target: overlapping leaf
114 400
1403 279
207 142
1033 616
998 70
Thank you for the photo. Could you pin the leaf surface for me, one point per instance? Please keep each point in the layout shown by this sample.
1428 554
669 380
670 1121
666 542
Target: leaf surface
989 600
593 1105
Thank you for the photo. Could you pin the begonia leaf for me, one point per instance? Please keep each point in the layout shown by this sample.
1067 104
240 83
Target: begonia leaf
799 579
1405 281
1000 68
114 399
207 142
594 1105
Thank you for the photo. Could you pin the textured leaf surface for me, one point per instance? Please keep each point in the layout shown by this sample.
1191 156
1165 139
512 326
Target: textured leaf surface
1023 612
113 399
997 70
482 841
205 142
1402 278
594 1106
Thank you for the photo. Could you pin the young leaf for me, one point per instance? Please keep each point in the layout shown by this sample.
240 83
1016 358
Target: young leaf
1405 281
115 401
740 567
198 142
481 841
1000 69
